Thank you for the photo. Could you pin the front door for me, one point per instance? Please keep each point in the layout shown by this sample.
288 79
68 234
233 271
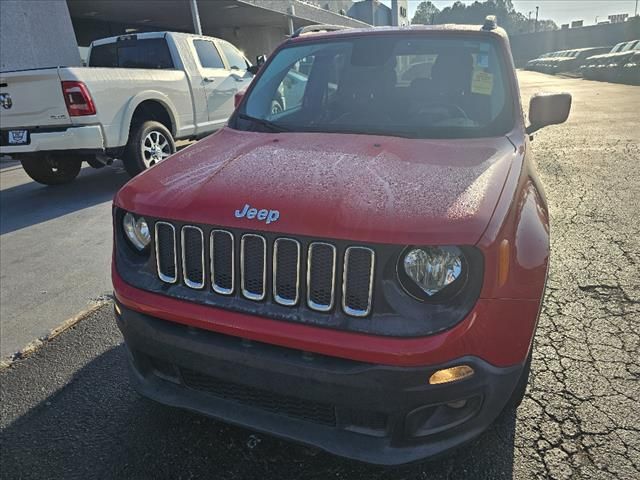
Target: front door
218 89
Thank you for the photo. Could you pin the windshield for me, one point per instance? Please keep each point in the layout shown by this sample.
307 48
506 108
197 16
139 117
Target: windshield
617 47
630 46
390 85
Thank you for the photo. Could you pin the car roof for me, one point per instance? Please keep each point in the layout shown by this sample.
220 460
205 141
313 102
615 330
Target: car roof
146 36
427 29
633 44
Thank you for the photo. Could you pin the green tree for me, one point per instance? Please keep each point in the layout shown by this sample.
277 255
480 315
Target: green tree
475 13
426 12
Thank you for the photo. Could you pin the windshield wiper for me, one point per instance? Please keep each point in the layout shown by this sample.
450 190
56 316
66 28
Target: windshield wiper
359 131
274 127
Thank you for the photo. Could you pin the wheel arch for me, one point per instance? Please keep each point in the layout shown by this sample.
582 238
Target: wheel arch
149 106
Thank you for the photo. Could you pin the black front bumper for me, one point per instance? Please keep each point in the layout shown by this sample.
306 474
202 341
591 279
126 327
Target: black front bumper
373 413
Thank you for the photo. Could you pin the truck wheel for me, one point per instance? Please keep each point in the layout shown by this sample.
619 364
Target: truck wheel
50 169
149 143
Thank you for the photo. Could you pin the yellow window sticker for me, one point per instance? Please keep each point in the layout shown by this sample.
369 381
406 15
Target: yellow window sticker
482 83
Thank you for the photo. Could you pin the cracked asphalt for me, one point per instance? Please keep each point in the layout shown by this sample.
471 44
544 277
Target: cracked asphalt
68 410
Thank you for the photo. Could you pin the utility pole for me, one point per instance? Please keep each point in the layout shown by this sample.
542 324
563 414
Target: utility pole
291 12
529 22
536 27
636 14
195 15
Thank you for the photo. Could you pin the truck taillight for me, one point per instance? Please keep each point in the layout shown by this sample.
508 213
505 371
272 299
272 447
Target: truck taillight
78 99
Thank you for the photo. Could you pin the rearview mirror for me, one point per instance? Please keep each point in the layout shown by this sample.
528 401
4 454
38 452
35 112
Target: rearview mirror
548 109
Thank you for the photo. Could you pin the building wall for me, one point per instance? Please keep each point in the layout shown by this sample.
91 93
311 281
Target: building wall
531 45
40 33
36 34
372 12
332 5
400 13
305 11
253 41
88 30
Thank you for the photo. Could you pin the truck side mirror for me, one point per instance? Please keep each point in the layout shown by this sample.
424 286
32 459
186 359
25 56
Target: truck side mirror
260 60
548 109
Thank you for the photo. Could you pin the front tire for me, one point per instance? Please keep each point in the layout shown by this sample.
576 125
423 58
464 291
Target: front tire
50 169
149 143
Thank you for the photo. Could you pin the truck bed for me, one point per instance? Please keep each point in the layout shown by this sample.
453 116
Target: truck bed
38 101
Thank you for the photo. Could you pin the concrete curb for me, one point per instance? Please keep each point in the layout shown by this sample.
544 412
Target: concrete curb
32 347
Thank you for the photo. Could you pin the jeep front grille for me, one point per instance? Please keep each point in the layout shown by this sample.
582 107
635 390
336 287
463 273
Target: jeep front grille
222 262
321 276
166 252
193 257
287 271
253 266
357 281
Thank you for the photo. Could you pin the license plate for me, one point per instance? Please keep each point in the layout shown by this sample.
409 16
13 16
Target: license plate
18 137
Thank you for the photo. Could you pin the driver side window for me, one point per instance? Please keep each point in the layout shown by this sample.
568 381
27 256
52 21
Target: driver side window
234 57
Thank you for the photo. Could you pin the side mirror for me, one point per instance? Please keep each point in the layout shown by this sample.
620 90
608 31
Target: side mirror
548 109
260 60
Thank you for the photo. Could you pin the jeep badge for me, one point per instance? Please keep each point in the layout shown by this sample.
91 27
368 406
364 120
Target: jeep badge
262 215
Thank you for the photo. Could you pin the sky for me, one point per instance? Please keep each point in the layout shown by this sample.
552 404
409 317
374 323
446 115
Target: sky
560 11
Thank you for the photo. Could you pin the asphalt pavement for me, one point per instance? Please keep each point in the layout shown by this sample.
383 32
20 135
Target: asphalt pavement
55 250
68 410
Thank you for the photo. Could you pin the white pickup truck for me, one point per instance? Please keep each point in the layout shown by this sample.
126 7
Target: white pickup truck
138 94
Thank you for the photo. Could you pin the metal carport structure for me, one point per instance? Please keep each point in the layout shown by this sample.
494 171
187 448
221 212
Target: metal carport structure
255 26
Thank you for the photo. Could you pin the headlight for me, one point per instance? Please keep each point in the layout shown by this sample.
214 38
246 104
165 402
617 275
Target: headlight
137 231
432 269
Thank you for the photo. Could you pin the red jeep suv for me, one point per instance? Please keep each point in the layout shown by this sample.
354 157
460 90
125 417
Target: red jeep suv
357 262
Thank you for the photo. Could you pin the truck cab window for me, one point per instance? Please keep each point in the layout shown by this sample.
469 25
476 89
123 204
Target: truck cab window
104 56
152 53
234 57
208 54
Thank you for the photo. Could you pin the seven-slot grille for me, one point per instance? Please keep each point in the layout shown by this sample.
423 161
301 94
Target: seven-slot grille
285 277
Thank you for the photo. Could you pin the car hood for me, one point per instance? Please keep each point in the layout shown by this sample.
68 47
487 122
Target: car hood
354 187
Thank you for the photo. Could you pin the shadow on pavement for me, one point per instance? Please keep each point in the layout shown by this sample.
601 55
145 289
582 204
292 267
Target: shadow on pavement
31 203
98 427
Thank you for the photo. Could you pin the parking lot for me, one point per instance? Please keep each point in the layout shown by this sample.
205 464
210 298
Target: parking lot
68 411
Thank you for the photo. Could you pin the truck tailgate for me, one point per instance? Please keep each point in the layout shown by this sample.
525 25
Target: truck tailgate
32 98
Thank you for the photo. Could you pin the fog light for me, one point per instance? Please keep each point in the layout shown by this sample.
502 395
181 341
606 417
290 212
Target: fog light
451 374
